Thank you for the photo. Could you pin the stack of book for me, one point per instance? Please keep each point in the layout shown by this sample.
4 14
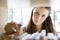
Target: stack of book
40 36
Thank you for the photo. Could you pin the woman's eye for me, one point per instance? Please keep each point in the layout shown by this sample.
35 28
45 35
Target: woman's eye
36 13
43 15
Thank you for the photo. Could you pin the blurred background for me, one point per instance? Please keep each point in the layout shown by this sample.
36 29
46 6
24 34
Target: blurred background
19 11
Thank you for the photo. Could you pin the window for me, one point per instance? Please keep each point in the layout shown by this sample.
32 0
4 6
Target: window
57 20
21 15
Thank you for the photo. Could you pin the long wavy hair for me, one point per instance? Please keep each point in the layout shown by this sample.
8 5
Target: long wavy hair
47 24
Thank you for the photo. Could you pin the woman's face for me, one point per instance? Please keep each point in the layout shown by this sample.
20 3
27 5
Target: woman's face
39 15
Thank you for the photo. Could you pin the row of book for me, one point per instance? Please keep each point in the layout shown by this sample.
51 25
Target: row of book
39 36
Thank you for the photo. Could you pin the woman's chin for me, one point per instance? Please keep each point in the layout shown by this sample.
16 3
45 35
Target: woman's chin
37 24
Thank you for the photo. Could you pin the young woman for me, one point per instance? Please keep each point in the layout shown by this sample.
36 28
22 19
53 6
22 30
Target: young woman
40 19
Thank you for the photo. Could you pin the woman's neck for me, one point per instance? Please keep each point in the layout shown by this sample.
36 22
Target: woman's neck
39 27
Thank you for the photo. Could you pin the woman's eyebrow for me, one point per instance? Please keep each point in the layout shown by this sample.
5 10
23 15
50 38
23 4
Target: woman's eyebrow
43 14
36 12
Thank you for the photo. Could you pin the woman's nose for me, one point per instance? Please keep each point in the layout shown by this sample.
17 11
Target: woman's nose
39 17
